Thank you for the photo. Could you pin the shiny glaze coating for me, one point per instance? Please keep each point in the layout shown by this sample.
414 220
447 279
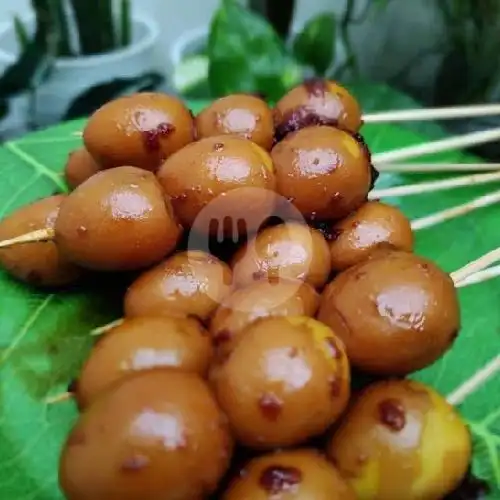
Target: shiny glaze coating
189 283
140 130
256 301
396 312
286 380
140 344
117 220
401 440
155 435
39 264
317 102
240 114
79 167
372 226
290 250
323 171
219 182
301 474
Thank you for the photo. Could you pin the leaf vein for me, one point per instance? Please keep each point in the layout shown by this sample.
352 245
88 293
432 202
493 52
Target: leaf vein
25 329
39 167
17 194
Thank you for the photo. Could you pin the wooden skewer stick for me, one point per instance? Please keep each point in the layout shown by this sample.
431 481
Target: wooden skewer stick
477 265
100 330
432 186
457 211
459 395
59 398
37 236
439 146
441 113
480 277
426 168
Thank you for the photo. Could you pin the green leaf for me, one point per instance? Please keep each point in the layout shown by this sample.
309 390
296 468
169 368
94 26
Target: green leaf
125 23
91 99
24 74
315 45
44 337
279 13
246 55
22 35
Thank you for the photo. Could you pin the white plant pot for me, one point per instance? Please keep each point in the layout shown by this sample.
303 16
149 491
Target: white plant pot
72 76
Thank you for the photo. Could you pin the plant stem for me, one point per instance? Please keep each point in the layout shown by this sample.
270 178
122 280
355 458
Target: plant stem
61 21
125 23
21 34
278 12
94 19
351 62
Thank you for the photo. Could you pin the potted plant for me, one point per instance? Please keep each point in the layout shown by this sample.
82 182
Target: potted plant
263 48
67 58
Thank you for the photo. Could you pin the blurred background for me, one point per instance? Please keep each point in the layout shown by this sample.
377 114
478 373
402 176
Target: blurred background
62 59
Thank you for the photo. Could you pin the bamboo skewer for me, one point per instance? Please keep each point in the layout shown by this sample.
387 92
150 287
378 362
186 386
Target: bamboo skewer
37 236
480 276
459 395
432 186
59 398
439 146
430 114
476 266
457 211
100 330
426 168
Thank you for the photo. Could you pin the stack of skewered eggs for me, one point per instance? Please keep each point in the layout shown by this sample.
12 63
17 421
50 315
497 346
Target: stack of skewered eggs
266 277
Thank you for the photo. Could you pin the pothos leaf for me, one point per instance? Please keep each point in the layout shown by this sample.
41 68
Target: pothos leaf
247 55
44 337
315 44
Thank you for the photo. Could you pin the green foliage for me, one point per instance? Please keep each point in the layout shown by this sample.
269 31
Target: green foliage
35 61
251 50
315 45
279 13
98 29
44 337
468 72
246 55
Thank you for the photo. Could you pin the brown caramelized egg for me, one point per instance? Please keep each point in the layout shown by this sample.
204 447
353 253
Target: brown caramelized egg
155 435
256 301
286 380
325 172
191 283
286 251
396 312
317 102
141 130
240 114
401 440
41 263
372 226
140 344
220 185
79 167
301 474
117 220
